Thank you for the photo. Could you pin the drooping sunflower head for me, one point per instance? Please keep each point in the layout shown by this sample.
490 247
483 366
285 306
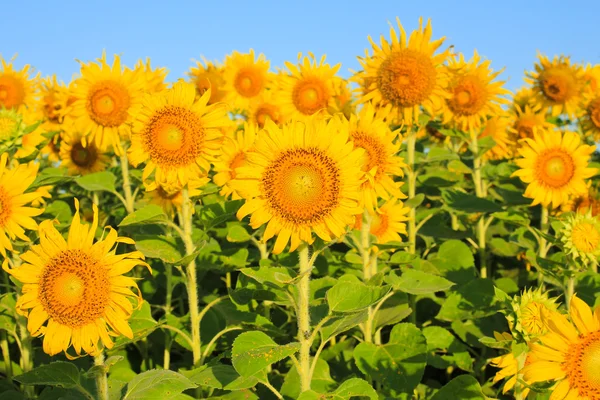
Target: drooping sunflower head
170 198
17 89
308 89
557 85
207 75
81 157
265 107
405 73
497 128
580 236
381 164
301 178
106 99
154 79
530 309
590 119
473 94
526 121
234 154
176 135
555 166
74 290
246 77
568 354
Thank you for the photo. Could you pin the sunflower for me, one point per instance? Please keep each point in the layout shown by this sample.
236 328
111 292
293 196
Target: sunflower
473 94
309 89
79 157
11 128
107 100
370 132
17 90
170 198
591 76
177 136
583 203
497 128
265 107
525 121
246 77
52 104
154 78
234 154
30 143
304 177
209 76
405 73
14 216
342 98
530 309
388 221
78 287
580 236
522 98
569 354
590 120
557 85
509 370
554 166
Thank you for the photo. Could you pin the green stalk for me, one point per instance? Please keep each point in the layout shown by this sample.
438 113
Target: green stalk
303 317
569 291
412 189
26 361
365 244
479 192
543 250
6 354
101 379
129 200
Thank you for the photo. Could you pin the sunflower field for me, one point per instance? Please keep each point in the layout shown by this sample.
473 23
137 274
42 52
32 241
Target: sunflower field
416 231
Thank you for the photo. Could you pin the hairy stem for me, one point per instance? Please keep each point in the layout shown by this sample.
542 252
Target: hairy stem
479 192
543 250
303 317
412 189
6 354
129 200
101 380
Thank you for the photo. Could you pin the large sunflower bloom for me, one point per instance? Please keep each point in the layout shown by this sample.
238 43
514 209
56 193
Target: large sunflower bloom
405 73
207 75
557 85
474 96
569 354
309 89
78 287
107 100
554 166
245 78
176 136
301 178
14 216
370 132
17 90
80 158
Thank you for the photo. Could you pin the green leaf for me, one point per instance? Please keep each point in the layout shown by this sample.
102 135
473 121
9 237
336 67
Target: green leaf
352 388
417 282
342 323
402 257
321 382
503 248
468 203
455 261
459 167
445 350
159 246
254 351
472 300
59 373
98 181
415 201
512 217
50 176
141 323
400 363
237 234
463 387
347 296
220 377
150 214
392 311
275 277
59 210
157 384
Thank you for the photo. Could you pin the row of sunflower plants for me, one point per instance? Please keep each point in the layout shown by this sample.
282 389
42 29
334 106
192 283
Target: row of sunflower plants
244 234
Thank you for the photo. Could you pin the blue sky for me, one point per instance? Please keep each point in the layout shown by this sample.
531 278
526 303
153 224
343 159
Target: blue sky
51 35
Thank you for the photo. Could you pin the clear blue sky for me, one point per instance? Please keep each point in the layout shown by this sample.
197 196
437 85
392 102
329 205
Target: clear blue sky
51 34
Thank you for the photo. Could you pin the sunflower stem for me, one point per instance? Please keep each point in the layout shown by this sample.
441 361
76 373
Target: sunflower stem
129 200
569 291
365 244
479 192
543 243
303 316
412 189
26 362
192 281
101 380
6 354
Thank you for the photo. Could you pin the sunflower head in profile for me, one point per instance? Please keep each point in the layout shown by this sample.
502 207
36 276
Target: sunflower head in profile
301 178
106 99
557 85
474 95
387 222
497 128
154 79
265 107
309 88
554 166
381 164
405 73
207 75
81 157
568 354
15 216
580 236
170 198
17 89
74 290
246 77
234 154
176 135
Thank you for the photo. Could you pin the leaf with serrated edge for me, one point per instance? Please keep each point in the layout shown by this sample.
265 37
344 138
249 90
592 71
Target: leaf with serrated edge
254 351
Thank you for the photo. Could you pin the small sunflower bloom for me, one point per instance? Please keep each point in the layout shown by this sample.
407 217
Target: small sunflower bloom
81 158
580 236
207 75
246 77
17 89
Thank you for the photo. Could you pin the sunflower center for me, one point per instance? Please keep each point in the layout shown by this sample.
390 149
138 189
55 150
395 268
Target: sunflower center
108 103
594 112
406 78
557 84
582 363
7 126
174 136
469 96
74 288
12 92
524 127
585 237
84 156
5 207
238 161
310 95
379 224
374 149
302 185
267 111
555 168
248 82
